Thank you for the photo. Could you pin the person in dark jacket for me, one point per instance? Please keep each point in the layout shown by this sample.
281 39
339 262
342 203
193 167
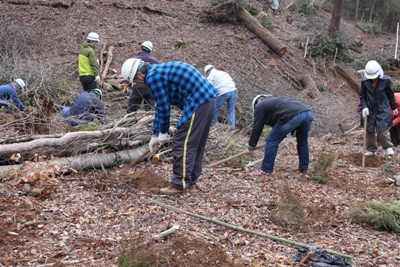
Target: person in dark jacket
377 98
395 129
285 116
181 85
142 94
88 65
9 91
86 107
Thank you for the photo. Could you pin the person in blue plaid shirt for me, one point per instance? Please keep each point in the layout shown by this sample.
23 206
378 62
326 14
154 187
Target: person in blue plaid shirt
181 85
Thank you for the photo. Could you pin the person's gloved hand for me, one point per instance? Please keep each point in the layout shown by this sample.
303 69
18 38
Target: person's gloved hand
97 78
396 112
365 112
163 138
153 140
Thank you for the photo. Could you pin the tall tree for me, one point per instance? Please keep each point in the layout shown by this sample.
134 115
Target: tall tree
336 17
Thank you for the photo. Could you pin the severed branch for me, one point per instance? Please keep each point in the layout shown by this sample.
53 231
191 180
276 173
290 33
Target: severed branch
109 59
166 232
306 258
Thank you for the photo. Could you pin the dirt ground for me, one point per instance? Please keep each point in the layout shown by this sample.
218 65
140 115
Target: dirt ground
82 218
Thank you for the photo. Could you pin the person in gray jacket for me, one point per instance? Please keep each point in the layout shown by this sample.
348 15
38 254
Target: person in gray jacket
9 91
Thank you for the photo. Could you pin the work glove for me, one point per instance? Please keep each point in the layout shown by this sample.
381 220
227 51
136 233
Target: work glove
163 138
153 140
396 112
97 78
365 112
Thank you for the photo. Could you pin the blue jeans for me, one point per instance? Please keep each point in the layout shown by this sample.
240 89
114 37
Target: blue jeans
230 99
301 123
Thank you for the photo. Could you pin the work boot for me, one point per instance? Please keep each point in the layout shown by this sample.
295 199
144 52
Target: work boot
389 151
170 190
370 153
299 170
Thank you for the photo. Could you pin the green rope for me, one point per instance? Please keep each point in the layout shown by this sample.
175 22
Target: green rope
239 228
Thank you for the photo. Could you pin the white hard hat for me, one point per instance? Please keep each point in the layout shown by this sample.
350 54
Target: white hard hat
147 46
372 69
97 92
259 97
129 68
20 83
93 37
207 68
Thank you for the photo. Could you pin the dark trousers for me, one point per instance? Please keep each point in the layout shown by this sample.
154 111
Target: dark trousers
395 135
189 145
88 82
138 95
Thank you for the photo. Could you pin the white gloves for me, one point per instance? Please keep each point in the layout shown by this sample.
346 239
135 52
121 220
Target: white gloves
153 140
97 78
162 138
365 112
396 112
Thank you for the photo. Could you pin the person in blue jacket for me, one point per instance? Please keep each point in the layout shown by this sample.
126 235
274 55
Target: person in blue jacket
9 91
142 94
181 85
85 109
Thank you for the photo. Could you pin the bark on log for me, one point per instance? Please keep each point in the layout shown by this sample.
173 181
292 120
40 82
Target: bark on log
255 27
87 161
308 83
345 73
109 59
57 142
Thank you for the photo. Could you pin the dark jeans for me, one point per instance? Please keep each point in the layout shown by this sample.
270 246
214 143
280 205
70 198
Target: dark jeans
138 95
88 82
189 145
301 124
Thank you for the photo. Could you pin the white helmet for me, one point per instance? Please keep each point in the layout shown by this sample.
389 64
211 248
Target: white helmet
372 69
259 97
148 46
98 93
129 68
208 68
20 83
94 37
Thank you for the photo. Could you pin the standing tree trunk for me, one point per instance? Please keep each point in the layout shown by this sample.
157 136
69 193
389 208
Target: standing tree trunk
336 17
356 11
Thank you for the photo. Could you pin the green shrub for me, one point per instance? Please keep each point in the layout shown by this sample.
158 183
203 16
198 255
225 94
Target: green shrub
267 23
302 7
379 215
370 28
291 209
324 46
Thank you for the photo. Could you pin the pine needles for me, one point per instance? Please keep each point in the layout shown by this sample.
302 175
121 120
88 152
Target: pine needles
378 214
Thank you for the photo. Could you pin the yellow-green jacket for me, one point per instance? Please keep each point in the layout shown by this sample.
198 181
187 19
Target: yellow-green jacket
87 61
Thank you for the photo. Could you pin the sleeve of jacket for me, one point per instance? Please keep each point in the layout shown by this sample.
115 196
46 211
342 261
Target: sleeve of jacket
258 126
93 63
363 96
390 94
100 110
17 102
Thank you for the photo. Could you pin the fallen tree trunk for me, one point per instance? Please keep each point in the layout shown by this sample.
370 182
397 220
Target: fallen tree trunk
255 27
308 83
109 59
87 161
345 73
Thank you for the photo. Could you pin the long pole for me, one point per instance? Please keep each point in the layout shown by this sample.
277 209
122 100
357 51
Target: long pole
239 228
397 41
365 137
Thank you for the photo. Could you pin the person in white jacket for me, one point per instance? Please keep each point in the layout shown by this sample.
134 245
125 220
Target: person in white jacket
225 85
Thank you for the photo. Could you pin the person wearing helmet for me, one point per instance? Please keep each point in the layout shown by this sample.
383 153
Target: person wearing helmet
182 85
88 65
9 91
225 85
377 100
86 108
285 116
142 94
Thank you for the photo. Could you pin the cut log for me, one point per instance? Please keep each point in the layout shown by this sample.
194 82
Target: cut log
345 73
255 27
87 161
308 83
109 59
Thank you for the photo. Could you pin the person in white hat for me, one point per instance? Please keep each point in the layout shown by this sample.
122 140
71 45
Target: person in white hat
88 65
142 94
9 91
377 100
